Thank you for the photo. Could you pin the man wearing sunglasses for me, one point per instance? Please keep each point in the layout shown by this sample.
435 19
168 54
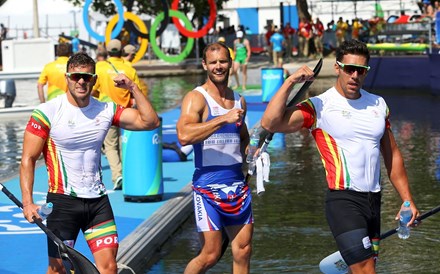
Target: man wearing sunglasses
351 128
69 130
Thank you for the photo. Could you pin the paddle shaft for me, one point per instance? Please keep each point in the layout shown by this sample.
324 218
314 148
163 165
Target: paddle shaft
421 217
48 232
334 263
80 263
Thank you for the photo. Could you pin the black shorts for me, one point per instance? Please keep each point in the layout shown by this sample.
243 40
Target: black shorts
354 219
94 217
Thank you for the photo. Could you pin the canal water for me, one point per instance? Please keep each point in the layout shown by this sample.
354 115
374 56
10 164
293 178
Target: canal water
291 233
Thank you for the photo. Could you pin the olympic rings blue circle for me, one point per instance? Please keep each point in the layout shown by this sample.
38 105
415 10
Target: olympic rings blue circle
116 30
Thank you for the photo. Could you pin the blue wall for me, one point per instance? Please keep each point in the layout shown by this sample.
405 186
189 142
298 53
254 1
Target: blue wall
414 75
249 18
290 14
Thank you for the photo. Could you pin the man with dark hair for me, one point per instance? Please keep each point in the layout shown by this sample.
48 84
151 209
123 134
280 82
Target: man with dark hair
106 91
53 74
69 130
212 121
351 128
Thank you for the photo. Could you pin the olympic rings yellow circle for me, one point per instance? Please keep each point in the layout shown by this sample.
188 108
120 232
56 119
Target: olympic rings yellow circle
139 23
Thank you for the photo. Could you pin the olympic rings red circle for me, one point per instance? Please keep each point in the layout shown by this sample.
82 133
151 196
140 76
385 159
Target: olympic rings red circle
203 31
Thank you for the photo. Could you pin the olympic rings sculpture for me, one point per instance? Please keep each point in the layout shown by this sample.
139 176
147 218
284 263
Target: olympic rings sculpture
163 26
141 25
129 20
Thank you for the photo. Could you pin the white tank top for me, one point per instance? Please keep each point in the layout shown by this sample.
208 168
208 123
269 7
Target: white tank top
220 153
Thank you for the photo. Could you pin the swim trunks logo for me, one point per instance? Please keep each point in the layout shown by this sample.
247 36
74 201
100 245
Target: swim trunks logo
199 207
366 242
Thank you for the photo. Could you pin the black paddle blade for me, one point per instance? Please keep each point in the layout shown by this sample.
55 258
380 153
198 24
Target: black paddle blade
295 99
80 263
296 95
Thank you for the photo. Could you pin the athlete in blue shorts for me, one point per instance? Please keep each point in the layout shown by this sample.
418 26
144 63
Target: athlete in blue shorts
212 121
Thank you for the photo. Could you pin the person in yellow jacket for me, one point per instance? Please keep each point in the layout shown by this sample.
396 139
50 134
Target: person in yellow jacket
341 29
104 88
106 91
128 54
53 75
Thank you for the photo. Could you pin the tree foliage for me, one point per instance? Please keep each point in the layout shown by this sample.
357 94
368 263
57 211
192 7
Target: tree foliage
151 7
303 9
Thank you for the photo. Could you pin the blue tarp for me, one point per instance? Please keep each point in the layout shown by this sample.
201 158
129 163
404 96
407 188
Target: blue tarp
290 14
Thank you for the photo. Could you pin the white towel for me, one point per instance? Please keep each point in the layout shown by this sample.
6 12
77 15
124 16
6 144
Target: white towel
266 166
262 169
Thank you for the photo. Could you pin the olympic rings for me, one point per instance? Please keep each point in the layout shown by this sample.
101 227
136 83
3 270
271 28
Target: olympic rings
111 32
141 25
203 31
163 26
115 32
155 47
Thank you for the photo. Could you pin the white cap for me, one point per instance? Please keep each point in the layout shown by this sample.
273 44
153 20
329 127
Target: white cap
239 34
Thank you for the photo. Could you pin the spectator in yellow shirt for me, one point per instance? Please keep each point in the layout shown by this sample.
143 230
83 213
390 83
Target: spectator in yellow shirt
341 28
106 70
128 54
356 27
106 91
53 75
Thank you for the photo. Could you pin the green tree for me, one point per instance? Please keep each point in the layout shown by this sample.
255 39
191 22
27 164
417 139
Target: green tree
108 7
199 7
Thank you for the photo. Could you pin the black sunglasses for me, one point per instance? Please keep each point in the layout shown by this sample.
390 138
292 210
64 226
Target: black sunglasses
76 76
351 68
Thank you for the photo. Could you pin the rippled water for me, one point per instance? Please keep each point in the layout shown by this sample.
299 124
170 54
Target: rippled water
11 135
